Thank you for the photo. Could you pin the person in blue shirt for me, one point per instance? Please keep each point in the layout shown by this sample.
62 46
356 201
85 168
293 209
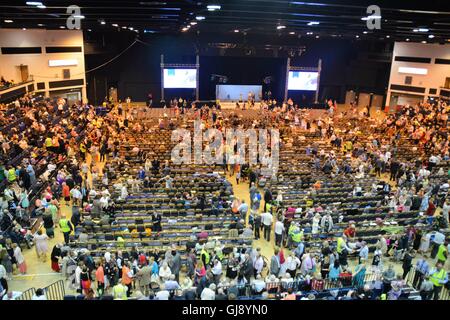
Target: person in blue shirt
141 174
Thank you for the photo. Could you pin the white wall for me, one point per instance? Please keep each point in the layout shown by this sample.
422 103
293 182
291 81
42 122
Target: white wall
38 66
436 72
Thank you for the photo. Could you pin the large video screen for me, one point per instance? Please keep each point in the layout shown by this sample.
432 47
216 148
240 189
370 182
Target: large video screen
300 80
230 92
180 78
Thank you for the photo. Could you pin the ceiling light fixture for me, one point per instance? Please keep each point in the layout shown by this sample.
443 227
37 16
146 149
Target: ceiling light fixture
124 27
41 6
317 37
309 33
357 36
431 36
280 27
200 18
213 7
24 28
8 21
34 3
185 29
407 39
79 16
115 25
62 27
371 17
40 25
424 41
292 32
365 32
313 23
193 23
131 28
388 37
236 30
103 22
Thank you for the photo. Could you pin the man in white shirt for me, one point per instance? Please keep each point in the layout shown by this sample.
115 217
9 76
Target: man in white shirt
266 220
162 294
209 293
292 263
258 284
279 229
217 270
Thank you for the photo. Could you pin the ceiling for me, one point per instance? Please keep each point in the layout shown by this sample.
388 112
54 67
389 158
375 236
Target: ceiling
332 18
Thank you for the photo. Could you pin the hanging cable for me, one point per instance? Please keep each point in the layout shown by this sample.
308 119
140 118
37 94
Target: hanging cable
100 66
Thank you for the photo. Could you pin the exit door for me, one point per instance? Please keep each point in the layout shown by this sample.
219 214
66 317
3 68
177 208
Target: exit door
23 72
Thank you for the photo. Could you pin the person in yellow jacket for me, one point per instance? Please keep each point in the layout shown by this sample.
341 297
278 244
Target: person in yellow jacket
66 228
204 255
442 253
11 175
438 277
120 291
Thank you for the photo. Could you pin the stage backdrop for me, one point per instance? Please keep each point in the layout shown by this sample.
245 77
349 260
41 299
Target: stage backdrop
228 92
270 73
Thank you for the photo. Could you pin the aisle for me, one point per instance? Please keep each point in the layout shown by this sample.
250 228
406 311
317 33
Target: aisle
241 191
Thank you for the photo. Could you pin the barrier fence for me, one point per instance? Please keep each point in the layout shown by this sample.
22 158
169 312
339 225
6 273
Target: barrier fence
55 291
27 294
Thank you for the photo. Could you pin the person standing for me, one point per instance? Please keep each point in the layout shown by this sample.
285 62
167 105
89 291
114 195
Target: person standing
279 230
275 263
426 288
127 277
20 260
120 291
100 278
55 256
257 226
267 219
422 269
407 262
41 244
66 228
442 253
144 275
438 277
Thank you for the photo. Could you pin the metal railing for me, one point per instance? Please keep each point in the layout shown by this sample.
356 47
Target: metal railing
27 294
55 291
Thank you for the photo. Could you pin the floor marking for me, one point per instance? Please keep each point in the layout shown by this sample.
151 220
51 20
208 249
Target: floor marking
35 274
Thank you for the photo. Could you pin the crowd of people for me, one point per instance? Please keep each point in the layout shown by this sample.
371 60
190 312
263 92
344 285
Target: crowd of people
208 271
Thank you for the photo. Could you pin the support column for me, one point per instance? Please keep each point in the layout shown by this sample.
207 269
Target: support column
197 87
288 67
162 77
319 69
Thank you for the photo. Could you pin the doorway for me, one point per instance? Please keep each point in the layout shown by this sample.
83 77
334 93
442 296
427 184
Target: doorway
23 69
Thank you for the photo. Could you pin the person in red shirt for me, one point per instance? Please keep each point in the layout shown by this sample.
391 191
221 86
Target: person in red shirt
100 277
350 231
431 208
66 193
